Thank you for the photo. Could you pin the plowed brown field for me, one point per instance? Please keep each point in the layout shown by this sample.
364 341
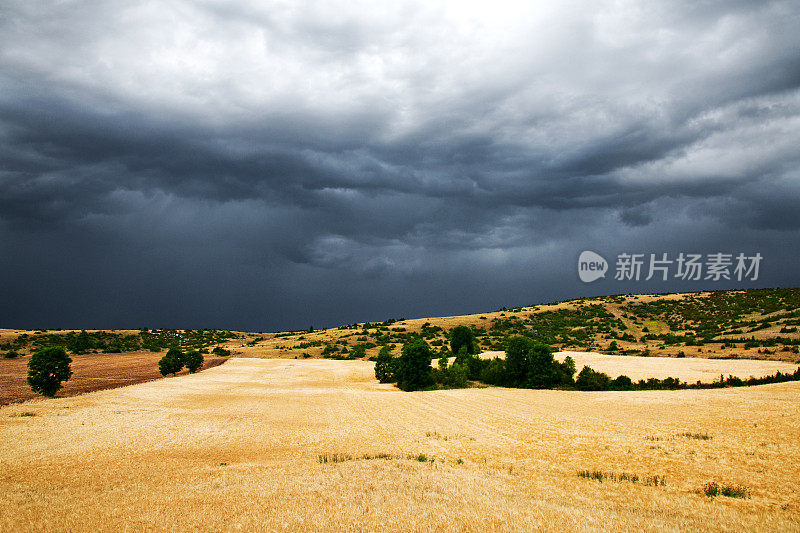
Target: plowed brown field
90 372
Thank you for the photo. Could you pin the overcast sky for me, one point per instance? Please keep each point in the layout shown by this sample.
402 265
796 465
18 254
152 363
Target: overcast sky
274 165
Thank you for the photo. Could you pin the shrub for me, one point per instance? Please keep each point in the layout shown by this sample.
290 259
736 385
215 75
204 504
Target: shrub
531 364
385 366
622 383
566 371
193 360
414 366
591 380
474 365
543 370
11 354
220 351
359 351
516 370
454 376
47 368
494 372
171 363
462 336
713 489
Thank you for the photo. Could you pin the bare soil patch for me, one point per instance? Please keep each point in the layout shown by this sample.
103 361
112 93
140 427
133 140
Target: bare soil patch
90 372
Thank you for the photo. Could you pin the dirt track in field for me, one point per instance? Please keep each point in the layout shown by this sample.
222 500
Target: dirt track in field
238 447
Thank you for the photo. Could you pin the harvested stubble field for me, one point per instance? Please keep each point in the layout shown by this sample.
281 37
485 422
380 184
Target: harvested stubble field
320 445
90 372
690 369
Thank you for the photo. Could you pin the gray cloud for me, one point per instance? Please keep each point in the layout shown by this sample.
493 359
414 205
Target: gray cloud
231 164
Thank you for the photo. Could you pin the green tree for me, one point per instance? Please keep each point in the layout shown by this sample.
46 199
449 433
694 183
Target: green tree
455 376
494 372
622 383
385 366
592 380
193 360
171 363
462 336
516 368
47 368
82 343
543 370
414 370
567 371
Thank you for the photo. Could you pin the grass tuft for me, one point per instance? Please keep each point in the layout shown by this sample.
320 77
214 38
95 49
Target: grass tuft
698 436
713 489
342 457
597 475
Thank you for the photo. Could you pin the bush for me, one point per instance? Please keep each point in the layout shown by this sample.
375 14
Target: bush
171 363
220 351
531 364
11 354
455 376
47 368
462 336
543 370
516 368
359 351
193 360
590 380
414 370
494 372
385 366
713 489
566 371
622 383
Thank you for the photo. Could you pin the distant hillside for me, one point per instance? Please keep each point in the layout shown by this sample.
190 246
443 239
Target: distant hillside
756 324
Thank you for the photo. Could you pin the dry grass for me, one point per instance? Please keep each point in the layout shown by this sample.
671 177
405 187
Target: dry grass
688 369
237 447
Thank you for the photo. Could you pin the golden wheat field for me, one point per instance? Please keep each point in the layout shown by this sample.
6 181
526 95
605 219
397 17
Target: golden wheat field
271 445
689 369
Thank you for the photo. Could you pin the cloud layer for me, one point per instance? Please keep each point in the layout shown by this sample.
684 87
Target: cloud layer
227 164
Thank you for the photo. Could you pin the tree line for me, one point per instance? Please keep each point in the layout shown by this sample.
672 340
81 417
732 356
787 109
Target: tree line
527 364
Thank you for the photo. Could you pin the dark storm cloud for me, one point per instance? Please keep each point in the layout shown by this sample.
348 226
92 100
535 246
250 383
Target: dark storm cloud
260 167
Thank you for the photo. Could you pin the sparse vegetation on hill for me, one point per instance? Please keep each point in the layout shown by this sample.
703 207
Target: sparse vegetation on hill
761 324
84 342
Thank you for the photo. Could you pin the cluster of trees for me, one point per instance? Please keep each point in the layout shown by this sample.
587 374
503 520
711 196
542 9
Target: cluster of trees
174 361
527 364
